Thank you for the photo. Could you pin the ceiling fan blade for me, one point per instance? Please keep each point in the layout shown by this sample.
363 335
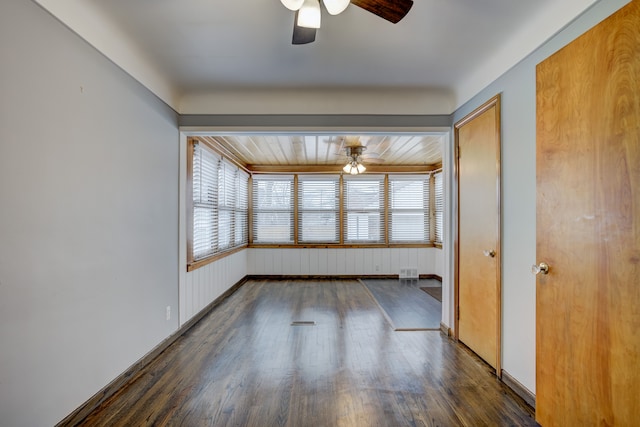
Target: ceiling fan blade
302 35
391 10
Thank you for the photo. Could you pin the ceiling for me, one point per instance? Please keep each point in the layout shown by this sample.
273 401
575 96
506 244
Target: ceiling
201 44
236 57
326 153
183 50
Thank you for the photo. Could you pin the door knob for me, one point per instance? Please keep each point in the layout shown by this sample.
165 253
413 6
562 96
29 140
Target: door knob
490 253
543 268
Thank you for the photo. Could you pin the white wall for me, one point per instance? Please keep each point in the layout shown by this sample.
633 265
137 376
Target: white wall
88 219
343 261
204 285
519 194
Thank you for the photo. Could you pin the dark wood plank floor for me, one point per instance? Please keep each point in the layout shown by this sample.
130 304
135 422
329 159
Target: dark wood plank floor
244 364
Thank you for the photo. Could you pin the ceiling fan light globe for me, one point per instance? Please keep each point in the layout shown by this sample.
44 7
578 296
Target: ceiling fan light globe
309 14
354 171
335 7
292 4
361 168
347 168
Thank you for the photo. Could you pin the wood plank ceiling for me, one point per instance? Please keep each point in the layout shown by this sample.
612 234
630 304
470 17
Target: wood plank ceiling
326 152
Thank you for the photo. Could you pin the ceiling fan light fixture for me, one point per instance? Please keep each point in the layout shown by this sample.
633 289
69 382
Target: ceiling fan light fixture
335 7
292 4
354 168
309 14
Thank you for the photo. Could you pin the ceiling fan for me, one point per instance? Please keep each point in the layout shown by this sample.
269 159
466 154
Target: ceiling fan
308 12
353 148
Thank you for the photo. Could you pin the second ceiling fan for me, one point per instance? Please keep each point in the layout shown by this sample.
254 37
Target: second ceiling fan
307 18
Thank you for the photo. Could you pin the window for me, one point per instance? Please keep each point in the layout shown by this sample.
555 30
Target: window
232 206
364 209
409 209
318 209
393 209
438 209
241 217
273 209
220 208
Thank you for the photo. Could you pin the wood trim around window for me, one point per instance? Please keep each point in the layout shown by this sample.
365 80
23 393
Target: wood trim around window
341 217
341 246
194 265
386 209
189 201
191 263
327 169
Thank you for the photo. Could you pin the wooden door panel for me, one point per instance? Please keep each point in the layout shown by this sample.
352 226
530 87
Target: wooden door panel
588 227
478 142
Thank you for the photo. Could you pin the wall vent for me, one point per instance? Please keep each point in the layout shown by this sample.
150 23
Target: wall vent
303 323
408 274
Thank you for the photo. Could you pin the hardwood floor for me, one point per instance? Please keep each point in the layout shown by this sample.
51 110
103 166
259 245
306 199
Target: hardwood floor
245 364
406 306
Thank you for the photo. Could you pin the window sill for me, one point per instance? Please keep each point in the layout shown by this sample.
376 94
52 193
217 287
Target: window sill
341 246
194 265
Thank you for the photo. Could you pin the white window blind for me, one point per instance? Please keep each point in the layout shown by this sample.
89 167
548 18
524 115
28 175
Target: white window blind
273 209
438 206
219 212
226 205
318 209
409 209
205 200
242 210
364 209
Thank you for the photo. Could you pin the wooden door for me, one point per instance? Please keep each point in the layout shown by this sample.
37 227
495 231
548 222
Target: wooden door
478 248
588 228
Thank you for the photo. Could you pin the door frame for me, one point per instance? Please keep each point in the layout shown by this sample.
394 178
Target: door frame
491 103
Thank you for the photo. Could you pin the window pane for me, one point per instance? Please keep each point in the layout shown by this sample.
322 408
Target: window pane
318 227
220 204
242 210
364 209
205 176
318 194
318 204
409 209
408 226
363 226
224 229
205 194
273 227
273 194
273 209
204 234
439 207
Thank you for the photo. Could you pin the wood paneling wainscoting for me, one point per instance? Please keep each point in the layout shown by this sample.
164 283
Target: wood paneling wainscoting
207 283
245 363
343 261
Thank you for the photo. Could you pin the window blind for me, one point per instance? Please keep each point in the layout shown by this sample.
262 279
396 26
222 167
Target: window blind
227 189
205 200
438 206
273 209
409 209
364 209
241 227
318 209
220 205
